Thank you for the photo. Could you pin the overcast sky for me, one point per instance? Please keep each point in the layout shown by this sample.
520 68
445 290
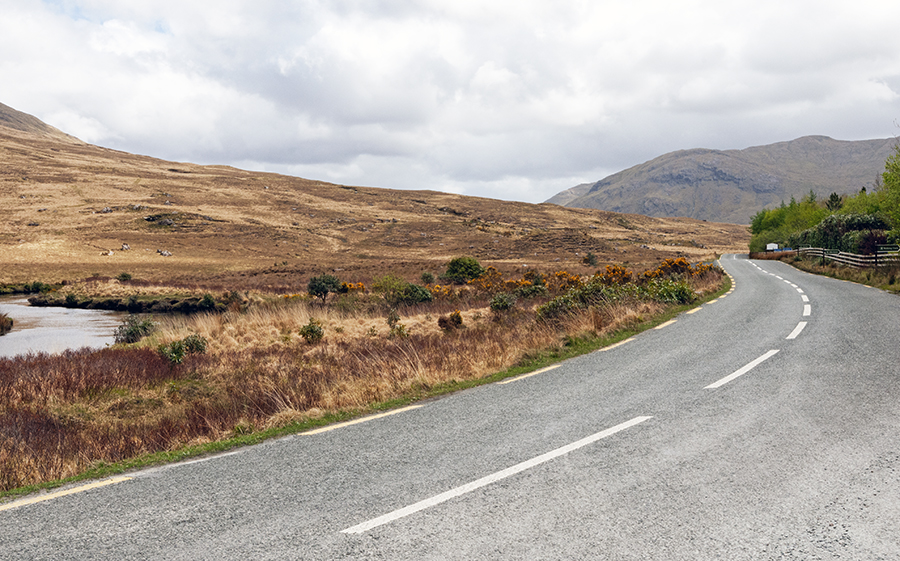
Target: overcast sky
512 99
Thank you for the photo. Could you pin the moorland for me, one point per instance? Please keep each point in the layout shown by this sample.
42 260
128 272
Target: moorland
273 352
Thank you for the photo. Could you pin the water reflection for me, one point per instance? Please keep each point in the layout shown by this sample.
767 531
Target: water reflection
53 330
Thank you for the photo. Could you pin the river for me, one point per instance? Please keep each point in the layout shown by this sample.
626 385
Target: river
53 330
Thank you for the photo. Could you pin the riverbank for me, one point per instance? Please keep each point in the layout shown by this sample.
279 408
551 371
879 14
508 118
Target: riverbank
264 371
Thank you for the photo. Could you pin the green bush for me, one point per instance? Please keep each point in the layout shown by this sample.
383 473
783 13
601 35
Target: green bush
195 344
531 291
502 302
124 277
321 285
133 329
175 351
670 291
313 331
397 291
427 278
463 269
207 302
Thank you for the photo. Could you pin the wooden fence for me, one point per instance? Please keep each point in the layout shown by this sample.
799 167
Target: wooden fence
880 259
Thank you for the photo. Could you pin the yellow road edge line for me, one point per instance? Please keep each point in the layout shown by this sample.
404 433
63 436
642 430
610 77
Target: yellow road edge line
619 344
667 324
57 494
529 375
695 310
360 420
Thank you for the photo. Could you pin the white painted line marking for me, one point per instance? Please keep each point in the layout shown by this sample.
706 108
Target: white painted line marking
794 285
742 371
360 420
667 324
797 330
529 375
494 477
800 290
779 278
57 494
807 309
804 297
619 344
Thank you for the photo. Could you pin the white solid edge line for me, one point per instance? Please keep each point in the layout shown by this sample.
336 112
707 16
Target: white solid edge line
742 371
614 345
797 330
494 477
529 375
57 494
360 420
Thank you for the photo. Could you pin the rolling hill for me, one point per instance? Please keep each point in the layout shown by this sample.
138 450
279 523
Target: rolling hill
67 208
733 185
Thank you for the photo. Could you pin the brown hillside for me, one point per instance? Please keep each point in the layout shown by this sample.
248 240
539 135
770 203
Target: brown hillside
64 202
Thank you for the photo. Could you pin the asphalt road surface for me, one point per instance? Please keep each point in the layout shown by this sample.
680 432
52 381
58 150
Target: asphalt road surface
761 426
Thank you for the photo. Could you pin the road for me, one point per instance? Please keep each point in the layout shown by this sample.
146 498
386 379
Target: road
761 426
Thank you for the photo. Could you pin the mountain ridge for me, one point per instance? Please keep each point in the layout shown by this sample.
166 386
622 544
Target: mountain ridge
733 185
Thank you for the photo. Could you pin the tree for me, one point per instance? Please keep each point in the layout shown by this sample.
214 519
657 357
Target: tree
834 202
321 285
463 269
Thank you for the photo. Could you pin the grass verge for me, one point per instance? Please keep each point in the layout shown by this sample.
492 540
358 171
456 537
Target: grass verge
887 278
571 346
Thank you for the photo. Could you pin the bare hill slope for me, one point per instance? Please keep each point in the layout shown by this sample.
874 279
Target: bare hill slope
65 204
733 185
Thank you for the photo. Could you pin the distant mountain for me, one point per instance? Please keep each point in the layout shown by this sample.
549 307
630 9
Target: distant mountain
733 185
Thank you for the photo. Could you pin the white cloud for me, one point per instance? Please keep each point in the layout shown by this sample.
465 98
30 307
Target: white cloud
507 99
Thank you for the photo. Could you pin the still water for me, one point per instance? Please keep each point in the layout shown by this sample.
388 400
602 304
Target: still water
53 330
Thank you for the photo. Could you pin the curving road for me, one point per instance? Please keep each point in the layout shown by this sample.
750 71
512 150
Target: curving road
761 426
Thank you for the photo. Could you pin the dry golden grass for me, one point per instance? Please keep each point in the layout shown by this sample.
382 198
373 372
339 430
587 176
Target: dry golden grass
240 230
59 414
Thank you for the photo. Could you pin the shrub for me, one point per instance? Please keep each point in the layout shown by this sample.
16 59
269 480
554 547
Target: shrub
451 321
427 278
463 269
175 351
397 291
590 259
133 329
671 292
313 331
321 285
6 324
531 291
502 302
557 309
123 277
195 344
207 302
